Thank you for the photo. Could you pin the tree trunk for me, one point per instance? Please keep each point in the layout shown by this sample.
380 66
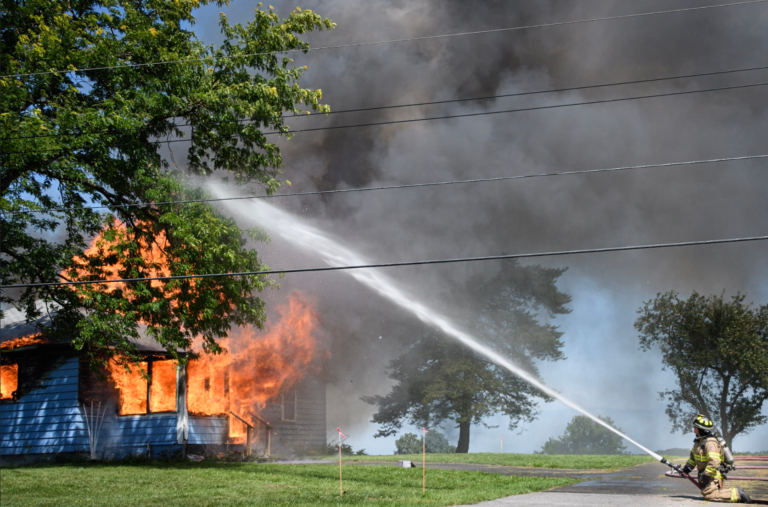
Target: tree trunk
463 446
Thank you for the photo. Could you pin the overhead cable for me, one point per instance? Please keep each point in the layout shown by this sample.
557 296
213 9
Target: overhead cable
444 117
397 264
414 104
391 41
506 111
410 185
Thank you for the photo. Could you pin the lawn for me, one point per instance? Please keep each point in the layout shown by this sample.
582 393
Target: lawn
241 484
521 460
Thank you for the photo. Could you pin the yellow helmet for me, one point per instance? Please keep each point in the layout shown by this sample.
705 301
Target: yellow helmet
703 423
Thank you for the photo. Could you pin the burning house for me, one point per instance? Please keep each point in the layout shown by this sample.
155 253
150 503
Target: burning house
261 395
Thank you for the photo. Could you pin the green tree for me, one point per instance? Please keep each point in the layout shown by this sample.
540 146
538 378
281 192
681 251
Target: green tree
438 379
436 443
585 436
718 351
91 136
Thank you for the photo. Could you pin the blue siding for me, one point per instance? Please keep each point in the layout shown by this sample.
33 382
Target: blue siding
207 430
47 419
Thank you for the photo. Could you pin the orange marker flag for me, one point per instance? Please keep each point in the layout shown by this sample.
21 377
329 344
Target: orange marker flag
502 445
424 460
341 435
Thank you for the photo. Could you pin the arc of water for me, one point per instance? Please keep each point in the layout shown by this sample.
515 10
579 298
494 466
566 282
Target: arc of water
314 241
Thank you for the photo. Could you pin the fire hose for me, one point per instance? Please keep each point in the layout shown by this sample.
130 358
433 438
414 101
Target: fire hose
681 474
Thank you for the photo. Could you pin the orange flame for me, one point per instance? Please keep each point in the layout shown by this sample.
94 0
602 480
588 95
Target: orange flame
162 390
257 368
34 339
155 259
9 380
132 387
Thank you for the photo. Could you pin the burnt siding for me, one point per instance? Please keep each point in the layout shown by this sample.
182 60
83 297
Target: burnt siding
47 417
308 431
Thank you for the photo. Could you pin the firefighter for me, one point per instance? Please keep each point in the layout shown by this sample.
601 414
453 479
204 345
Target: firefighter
706 456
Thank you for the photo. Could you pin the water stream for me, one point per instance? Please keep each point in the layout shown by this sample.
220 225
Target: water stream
312 240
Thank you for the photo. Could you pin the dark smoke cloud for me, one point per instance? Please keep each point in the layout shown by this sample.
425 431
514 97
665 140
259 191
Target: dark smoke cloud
656 205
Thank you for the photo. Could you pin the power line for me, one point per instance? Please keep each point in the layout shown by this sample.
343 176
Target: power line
398 264
410 185
518 110
447 117
417 104
361 44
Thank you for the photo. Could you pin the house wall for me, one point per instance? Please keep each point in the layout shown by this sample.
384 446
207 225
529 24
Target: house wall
308 431
47 418
208 430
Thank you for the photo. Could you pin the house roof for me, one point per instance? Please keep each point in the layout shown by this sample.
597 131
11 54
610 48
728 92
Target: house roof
15 325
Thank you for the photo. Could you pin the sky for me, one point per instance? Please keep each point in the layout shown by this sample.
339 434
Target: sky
605 372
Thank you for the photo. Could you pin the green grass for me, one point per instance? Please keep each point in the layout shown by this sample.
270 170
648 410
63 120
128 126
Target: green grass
521 460
241 484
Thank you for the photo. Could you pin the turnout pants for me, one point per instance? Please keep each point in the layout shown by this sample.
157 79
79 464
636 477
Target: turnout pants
714 492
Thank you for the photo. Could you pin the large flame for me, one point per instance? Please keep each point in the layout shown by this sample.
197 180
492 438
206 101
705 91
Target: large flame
132 386
155 259
257 367
9 380
23 341
162 390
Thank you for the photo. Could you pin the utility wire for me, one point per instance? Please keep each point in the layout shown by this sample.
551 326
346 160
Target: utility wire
360 44
398 264
411 185
446 117
518 110
415 104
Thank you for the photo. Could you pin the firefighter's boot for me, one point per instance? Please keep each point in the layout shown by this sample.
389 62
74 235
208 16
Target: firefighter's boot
743 496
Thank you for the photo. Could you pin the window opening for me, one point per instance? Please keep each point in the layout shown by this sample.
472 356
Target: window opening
162 387
137 396
207 389
289 400
131 387
9 381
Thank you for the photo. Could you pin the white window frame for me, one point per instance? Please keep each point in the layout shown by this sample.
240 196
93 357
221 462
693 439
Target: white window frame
295 405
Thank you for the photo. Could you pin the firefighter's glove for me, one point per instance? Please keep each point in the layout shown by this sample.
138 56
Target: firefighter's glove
687 470
705 479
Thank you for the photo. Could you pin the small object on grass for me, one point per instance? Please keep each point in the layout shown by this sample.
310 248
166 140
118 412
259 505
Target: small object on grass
341 439
406 464
195 457
424 460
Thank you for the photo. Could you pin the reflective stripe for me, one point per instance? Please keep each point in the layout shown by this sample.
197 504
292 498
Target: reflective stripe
715 455
713 472
735 495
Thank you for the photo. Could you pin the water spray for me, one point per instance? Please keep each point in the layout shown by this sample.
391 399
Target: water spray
311 239
314 241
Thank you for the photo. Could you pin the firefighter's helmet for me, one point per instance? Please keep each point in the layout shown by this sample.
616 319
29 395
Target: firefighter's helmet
703 423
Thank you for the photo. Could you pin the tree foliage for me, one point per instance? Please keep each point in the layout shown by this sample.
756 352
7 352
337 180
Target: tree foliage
718 351
435 443
438 379
93 136
585 436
